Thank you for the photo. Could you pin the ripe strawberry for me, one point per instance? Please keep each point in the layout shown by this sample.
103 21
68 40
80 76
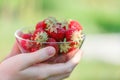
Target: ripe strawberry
39 30
73 33
68 34
41 25
52 42
26 36
40 36
74 25
55 30
35 46
59 36
24 43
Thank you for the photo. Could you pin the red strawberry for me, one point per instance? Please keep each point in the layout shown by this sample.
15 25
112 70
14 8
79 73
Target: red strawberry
29 46
35 46
26 36
57 32
52 42
39 35
36 32
73 33
59 36
74 37
74 25
24 43
51 26
41 25
68 34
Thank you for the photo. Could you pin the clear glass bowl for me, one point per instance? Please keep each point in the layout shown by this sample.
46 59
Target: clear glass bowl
28 46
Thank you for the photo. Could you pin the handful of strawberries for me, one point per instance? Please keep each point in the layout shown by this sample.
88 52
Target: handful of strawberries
64 36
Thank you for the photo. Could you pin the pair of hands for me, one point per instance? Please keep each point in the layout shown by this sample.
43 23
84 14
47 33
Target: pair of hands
19 66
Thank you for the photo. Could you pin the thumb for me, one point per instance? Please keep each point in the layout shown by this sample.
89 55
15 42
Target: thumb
23 61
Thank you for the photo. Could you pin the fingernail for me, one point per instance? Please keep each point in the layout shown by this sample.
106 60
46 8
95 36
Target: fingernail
51 51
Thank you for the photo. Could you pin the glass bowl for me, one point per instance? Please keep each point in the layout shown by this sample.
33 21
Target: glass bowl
29 46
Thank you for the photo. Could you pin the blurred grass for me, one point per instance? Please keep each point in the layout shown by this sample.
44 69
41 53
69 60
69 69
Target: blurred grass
96 16
95 70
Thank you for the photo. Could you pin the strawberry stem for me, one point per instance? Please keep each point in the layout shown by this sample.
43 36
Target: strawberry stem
64 24
41 37
64 47
51 24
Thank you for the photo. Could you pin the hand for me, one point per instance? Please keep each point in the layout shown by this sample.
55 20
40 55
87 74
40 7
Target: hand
21 66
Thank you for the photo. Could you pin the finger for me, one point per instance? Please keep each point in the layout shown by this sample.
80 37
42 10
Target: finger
48 70
75 60
15 51
23 61
43 71
59 77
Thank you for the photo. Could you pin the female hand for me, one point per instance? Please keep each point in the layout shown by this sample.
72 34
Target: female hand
20 66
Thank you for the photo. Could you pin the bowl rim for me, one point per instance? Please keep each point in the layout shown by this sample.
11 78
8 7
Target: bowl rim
18 37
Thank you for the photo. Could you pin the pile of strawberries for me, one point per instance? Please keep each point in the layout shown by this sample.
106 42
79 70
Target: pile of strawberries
64 36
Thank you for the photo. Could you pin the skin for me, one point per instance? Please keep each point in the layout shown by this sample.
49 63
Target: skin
19 66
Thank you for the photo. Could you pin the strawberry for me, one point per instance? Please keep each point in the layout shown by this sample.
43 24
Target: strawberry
52 42
39 30
26 36
54 29
40 36
68 34
41 25
58 35
73 32
24 43
29 46
35 46
74 25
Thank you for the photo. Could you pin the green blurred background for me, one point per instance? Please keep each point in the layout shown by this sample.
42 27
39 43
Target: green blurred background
96 16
